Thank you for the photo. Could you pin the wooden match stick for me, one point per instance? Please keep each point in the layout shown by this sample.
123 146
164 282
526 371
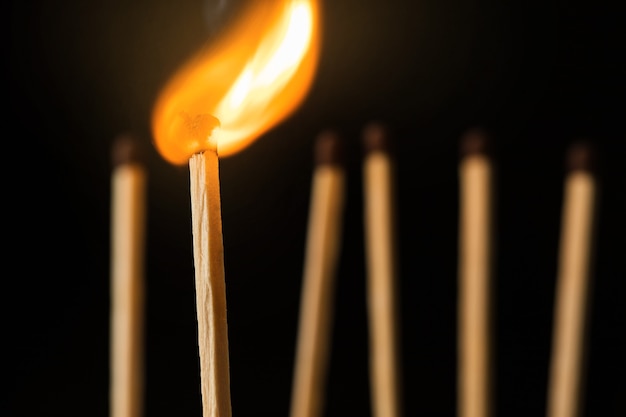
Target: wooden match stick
474 297
571 301
208 252
379 212
321 258
128 212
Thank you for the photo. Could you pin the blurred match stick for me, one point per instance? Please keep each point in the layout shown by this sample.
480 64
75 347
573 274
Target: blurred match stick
321 259
379 212
128 213
208 253
474 298
571 301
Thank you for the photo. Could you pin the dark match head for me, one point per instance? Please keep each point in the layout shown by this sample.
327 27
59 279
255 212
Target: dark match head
580 157
328 149
125 150
475 142
376 138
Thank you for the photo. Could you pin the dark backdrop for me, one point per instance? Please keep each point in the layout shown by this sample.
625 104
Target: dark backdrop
537 74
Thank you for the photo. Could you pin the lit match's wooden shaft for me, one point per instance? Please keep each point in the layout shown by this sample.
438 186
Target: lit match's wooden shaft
380 248
208 252
474 367
127 285
321 258
571 295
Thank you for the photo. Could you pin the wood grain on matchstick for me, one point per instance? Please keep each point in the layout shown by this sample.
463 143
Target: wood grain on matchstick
208 253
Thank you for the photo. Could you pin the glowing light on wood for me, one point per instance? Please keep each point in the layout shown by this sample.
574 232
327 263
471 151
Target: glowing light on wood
240 86
244 83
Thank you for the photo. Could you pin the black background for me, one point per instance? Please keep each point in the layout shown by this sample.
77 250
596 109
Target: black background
537 74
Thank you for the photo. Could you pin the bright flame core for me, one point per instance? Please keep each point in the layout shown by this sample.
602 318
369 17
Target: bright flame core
250 79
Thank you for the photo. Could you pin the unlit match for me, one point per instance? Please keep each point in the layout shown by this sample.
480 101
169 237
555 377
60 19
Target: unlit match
208 253
382 299
321 258
474 275
572 288
128 215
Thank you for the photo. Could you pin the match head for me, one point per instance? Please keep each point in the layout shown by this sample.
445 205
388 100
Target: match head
376 138
328 149
125 150
475 142
581 157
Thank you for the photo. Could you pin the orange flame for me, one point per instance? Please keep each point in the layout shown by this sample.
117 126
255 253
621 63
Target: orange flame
249 80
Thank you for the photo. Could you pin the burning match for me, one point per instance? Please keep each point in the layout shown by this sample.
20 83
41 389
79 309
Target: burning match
208 254
247 81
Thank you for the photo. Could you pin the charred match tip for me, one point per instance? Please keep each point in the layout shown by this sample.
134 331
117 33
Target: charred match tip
581 157
125 150
475 142
376 138
328 149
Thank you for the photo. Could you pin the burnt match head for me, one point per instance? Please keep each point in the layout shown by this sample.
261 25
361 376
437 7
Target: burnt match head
328 149
581 156
475 141
125 150
376 138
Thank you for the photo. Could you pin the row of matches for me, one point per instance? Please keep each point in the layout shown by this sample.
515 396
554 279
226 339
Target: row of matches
323 241
475 389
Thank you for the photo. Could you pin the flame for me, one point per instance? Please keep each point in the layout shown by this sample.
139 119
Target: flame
253 77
